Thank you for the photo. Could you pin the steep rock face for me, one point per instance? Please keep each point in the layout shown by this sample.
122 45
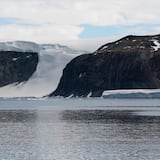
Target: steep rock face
16 66
129 63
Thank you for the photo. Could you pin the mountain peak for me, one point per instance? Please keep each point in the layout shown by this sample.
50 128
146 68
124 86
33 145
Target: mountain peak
131 44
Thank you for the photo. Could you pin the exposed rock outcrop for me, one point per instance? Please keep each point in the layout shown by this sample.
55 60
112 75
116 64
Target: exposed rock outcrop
132 62
16 67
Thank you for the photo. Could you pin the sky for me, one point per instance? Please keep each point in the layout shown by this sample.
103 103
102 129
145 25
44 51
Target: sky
81 24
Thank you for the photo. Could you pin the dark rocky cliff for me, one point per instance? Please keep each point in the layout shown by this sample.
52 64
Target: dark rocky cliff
132 62
16 66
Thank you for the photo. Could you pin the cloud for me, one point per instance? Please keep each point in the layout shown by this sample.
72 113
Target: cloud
90 44
42 33
76 12
52 20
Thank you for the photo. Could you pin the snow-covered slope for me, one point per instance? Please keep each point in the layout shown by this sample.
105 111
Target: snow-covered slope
20 46
52 60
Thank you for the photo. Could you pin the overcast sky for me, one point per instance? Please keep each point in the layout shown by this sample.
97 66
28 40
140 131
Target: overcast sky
79 23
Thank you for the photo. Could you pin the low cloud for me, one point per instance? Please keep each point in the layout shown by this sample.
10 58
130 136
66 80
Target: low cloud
41 33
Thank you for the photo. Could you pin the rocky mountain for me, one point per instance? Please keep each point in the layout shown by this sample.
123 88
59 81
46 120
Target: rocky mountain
31 69
129 63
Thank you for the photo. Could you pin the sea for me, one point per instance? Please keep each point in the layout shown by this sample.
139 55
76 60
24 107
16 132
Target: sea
79 129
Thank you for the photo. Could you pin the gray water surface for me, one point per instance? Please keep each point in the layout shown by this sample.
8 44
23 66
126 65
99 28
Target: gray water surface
46 131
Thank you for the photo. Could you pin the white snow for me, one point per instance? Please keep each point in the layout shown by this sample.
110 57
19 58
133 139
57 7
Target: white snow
14 59
70 96
127 47
95 53
148 113
19 46
89 95
80 75
142 47
104 47
28 56
157 45
52 60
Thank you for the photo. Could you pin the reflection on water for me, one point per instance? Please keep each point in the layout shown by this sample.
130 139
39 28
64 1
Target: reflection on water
78 135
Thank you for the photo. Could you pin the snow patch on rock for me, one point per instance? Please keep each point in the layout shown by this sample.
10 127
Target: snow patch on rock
156 45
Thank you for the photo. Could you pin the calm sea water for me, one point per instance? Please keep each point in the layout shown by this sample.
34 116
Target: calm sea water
79 129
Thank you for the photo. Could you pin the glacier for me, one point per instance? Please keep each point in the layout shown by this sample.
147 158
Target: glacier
52 60
132 93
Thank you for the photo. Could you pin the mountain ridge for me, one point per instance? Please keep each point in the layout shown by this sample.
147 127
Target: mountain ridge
131 62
